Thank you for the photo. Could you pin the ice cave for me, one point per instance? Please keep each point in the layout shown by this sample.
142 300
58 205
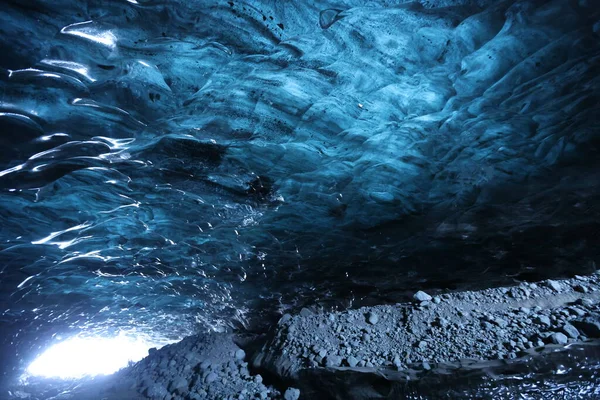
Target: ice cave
294 199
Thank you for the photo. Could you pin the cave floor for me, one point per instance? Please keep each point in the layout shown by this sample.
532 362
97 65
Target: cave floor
462 344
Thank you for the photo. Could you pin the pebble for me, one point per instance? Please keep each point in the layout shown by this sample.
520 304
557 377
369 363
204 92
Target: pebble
422 296
373 318
285 318
305 312
211 377
352 361
333 361
178 384
542 319
554 285
240 354
500 322
292 394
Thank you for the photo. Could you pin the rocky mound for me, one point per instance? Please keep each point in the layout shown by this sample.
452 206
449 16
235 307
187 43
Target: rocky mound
493 324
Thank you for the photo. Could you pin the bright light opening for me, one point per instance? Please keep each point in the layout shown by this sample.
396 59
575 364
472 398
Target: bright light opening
89 356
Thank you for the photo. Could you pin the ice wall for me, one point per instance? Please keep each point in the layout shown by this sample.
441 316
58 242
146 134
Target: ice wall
172 162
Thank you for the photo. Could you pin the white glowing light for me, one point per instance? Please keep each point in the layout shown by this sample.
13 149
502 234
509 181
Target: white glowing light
88 356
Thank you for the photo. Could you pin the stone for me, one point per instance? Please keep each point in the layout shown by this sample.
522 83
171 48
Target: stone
581 289
590 326
500 322
584 302
210 378
544 320
578 311
333 361
559 338
178 385
205 365
422 296
570 331
292 394
554 285
284 319
305 312
240 354
156 391
352 361
372 318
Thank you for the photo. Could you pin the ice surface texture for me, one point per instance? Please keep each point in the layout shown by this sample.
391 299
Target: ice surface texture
171 162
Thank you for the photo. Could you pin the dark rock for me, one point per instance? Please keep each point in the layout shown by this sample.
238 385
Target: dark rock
156 391
584 302
178 385
581 289
590 326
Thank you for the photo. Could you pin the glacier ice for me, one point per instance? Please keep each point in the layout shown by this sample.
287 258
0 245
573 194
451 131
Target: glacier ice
169 163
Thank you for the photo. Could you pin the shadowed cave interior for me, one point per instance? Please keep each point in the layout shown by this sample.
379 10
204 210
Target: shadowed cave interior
176 168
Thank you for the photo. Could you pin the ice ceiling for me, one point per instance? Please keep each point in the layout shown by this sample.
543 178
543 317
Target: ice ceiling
172 163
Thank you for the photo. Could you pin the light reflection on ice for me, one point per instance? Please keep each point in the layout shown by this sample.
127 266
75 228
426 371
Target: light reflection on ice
88 31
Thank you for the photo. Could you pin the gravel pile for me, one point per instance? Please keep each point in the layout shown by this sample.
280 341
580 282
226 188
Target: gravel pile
207 366
499 323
